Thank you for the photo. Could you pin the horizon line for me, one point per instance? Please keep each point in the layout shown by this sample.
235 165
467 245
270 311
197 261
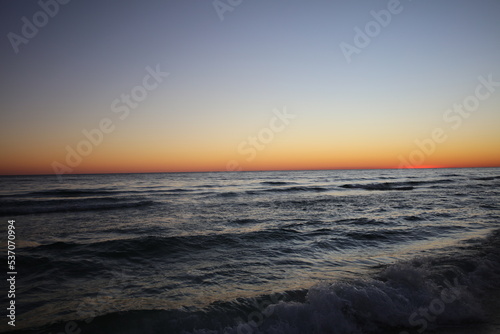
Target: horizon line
255 170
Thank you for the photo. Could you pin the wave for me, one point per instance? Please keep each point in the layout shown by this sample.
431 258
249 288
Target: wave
73 192
276 183
226 194
43 268
487 178
153 246
409 185
289 190
244 221
339 234
177 190
413 218
425 293
27 207
101 192
363 222
378 234
146 246
299 189
64 193
377 186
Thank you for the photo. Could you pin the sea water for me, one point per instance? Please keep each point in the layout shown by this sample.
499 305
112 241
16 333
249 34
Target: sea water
339 251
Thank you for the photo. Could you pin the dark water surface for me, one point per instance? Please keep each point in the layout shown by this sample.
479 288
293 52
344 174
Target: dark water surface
254 252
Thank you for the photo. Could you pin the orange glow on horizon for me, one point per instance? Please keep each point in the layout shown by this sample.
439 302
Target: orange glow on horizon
137 168
137 157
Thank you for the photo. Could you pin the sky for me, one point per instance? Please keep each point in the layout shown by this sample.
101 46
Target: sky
180 86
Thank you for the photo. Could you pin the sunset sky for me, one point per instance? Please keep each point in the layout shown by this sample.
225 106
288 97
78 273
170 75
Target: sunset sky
251 85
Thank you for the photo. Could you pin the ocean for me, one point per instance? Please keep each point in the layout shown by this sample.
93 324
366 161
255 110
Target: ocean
334 251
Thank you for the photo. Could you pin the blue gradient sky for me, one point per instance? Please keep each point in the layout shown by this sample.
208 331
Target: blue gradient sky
227 76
